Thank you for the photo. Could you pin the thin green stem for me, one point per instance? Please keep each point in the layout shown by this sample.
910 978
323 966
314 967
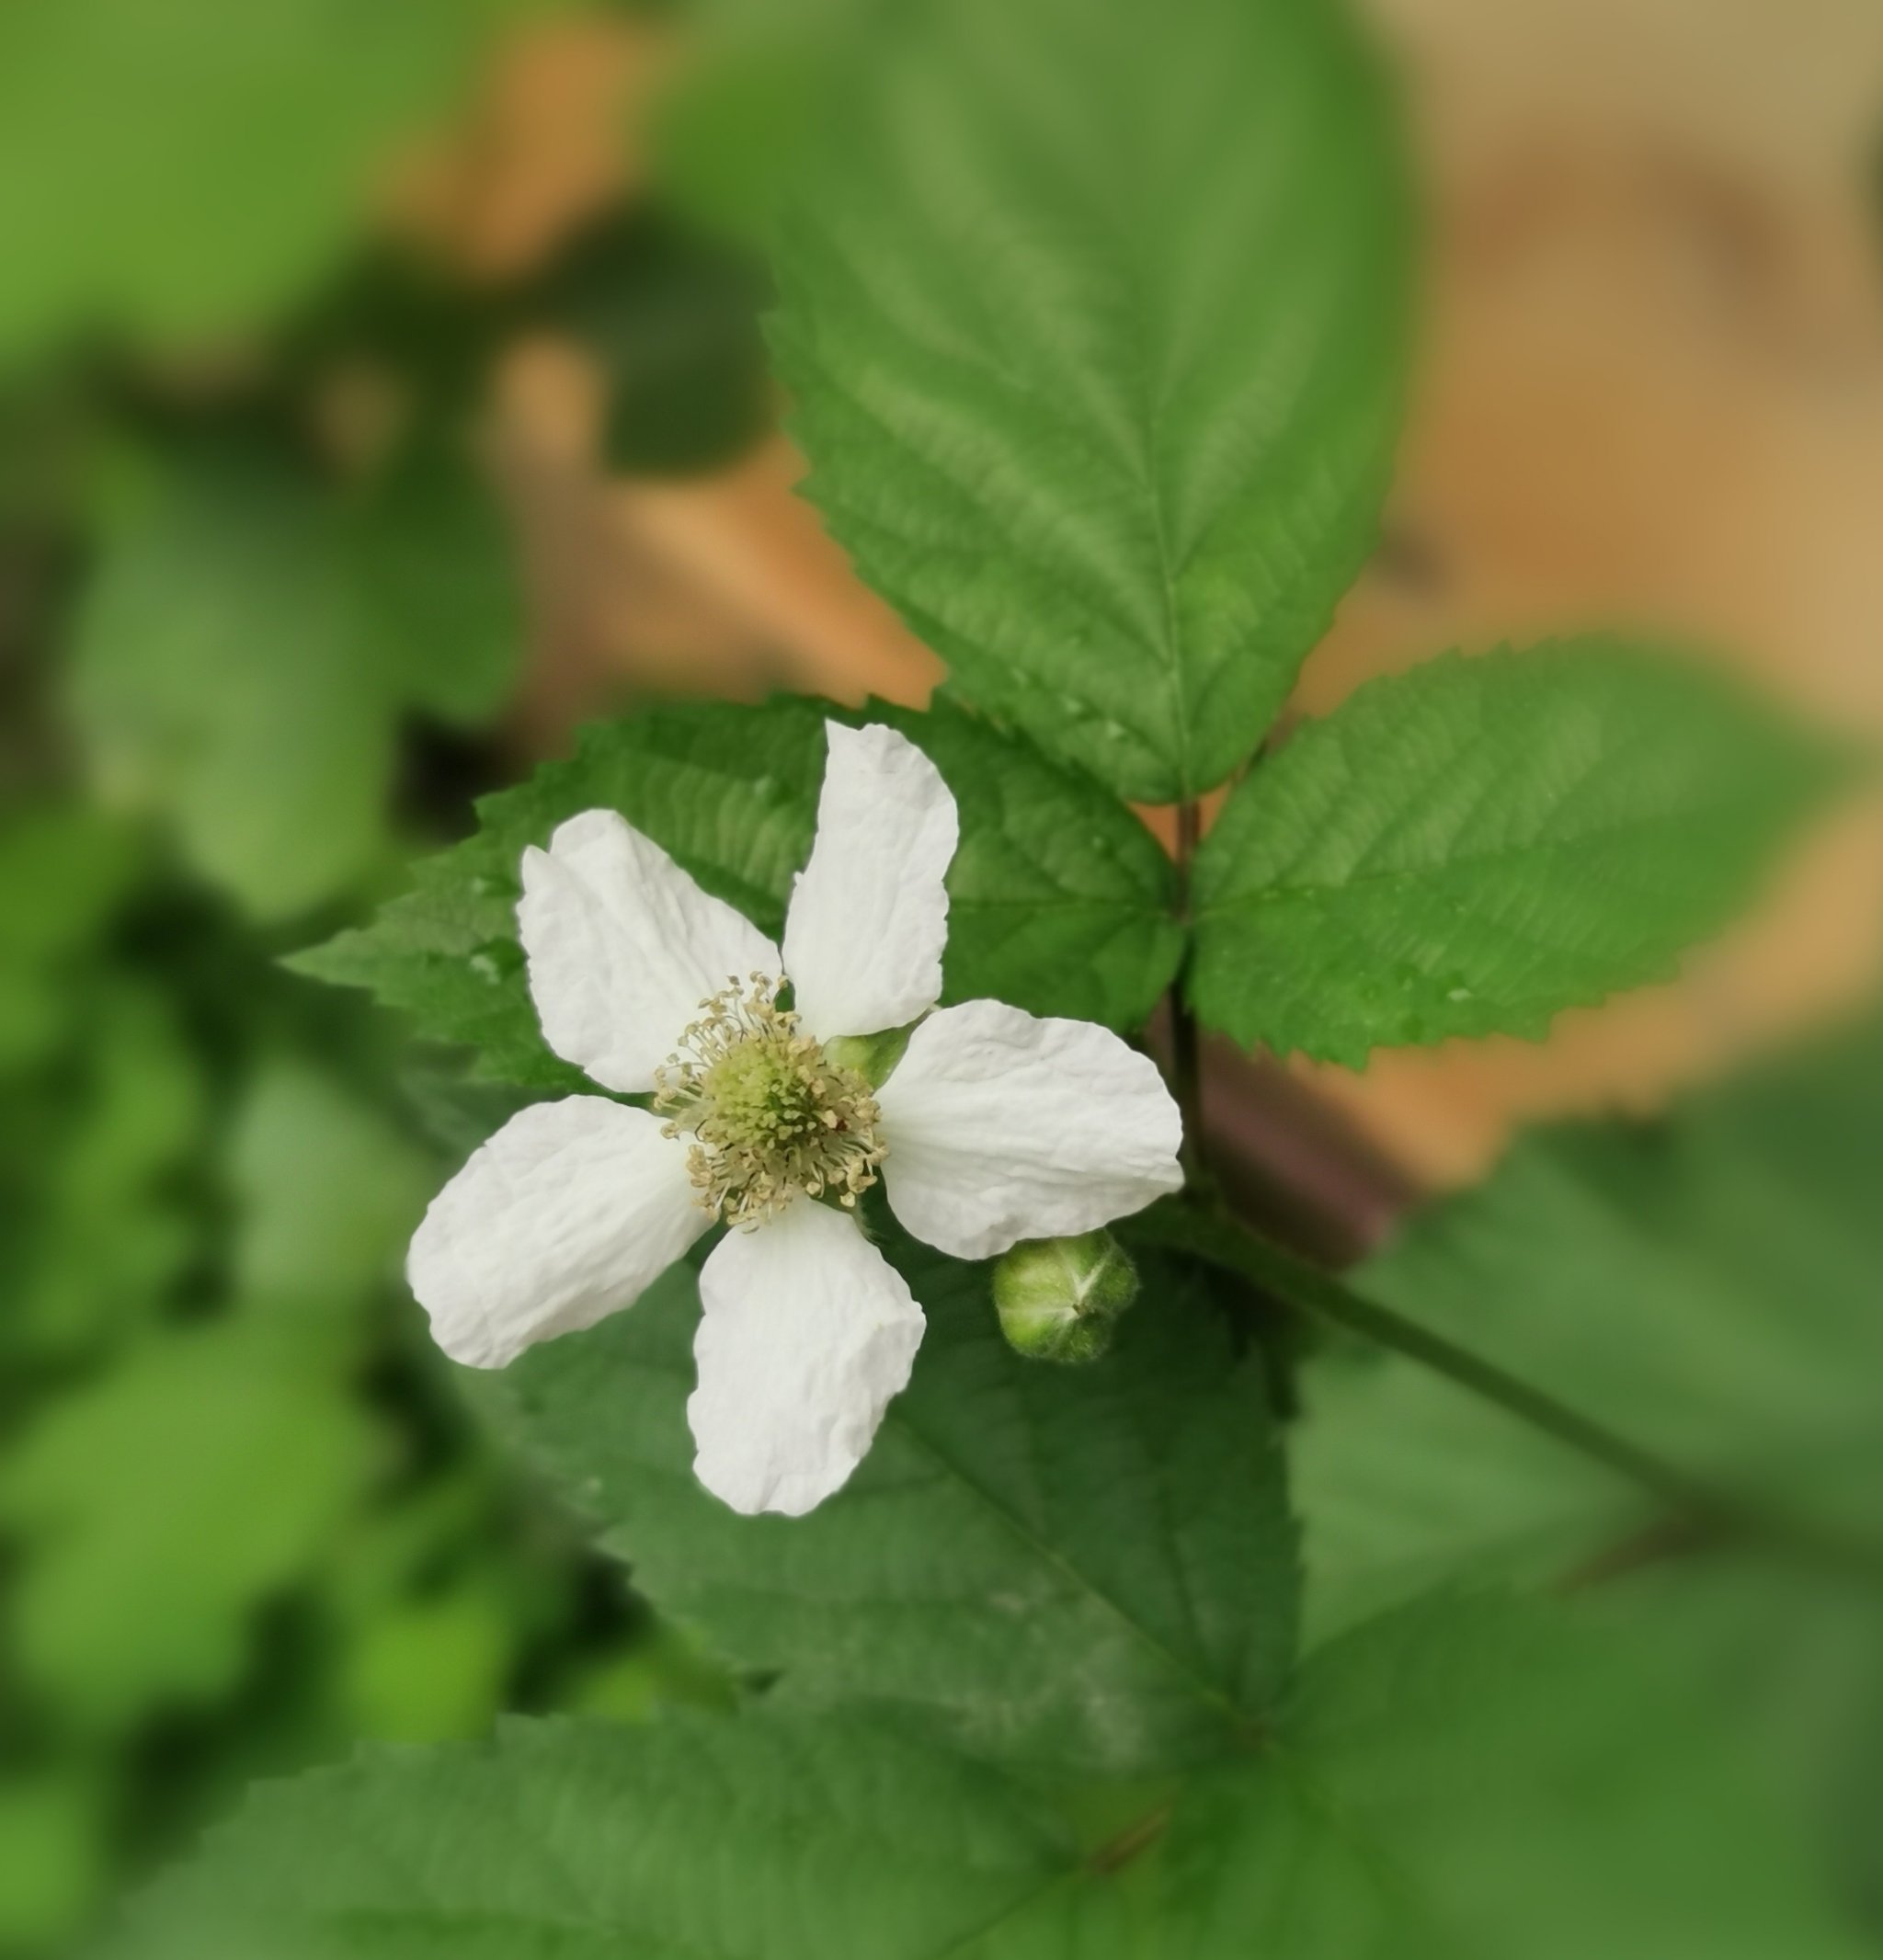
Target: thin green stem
1304 1288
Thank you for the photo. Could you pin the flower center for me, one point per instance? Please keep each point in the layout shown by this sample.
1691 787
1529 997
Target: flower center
770 1115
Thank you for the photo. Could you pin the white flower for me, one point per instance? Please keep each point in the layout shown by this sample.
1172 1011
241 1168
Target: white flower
993 1126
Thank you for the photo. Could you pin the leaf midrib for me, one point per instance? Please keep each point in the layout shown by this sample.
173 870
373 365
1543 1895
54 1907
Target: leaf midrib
1151 427
1208 1691
1272 894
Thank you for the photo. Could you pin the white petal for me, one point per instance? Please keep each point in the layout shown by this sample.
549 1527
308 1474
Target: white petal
566 1214
807 1332
1001 1127
869 915
623 946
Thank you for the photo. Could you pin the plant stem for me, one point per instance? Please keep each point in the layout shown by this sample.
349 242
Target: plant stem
1229 1243
1186 1065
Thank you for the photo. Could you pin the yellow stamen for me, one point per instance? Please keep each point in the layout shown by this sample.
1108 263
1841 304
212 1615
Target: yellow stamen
771 1117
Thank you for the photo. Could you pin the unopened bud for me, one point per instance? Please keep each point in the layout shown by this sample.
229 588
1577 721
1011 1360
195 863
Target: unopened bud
1058 1298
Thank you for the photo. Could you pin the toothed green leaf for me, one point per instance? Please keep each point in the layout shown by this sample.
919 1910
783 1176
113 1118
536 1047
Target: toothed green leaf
1089 1568
1059 901
1469 848
1093 322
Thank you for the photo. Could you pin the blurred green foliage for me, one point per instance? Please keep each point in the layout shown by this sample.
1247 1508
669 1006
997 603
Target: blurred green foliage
1707 1284
250 661
250 638
185 170
245 1520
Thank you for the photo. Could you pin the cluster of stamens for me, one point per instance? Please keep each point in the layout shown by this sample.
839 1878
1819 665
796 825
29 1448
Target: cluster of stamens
770 1115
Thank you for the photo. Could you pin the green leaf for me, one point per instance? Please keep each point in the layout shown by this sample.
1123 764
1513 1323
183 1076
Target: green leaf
671 320
247 645
1706 1286
1792 1660
1094 323
435 561
1060 902
1089 1569
104 1221
160 1506
185 170
1471 1778
57 1828
731 129
454 1109
730 792
759 1839
432 1667
1471 847
327 1190
63 873
1460 1782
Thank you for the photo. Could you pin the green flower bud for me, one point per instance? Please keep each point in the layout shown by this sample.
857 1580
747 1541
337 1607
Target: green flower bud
1058 1298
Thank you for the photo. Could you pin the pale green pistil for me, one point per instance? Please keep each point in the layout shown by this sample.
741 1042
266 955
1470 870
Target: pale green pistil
771 1117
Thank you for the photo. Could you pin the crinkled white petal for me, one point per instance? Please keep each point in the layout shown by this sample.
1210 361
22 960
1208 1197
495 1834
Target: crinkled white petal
869 915
623 946
806 1333
1001 1127
566 1215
